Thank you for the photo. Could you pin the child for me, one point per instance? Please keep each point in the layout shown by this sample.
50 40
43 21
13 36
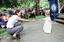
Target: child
5 19
48 25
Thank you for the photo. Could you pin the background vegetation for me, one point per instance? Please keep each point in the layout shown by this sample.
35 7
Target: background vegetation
8 4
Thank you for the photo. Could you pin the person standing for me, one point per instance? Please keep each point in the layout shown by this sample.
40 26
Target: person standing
48 24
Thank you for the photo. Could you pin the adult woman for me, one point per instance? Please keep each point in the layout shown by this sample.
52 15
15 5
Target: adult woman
17 29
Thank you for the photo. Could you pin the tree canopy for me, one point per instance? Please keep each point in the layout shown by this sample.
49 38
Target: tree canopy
24 3
8 3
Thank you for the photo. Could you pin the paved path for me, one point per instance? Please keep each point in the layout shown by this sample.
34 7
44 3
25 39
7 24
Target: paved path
33 33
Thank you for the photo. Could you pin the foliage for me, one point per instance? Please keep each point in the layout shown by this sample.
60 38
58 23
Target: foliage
8 3
62 1
44 4
24 3
27 3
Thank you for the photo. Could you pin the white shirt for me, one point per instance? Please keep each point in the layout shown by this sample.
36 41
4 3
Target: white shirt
12 21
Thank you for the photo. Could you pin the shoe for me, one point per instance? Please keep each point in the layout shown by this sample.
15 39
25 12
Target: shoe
15 38
18 36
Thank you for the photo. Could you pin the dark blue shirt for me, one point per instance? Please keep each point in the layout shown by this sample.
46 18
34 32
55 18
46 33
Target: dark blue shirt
10 12
0 16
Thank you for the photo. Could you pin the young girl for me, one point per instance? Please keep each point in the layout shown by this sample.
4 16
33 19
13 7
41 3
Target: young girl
47 25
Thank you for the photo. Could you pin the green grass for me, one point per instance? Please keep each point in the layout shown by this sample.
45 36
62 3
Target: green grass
3 33
2 30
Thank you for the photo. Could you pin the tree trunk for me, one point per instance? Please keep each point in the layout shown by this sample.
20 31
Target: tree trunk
37 8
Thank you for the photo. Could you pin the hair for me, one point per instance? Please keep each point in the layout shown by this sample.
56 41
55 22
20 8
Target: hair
47 14
17 11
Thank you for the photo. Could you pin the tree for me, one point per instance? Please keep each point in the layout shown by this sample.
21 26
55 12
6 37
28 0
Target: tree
8 3
37 7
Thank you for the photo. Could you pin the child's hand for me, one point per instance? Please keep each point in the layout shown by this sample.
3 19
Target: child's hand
49 20
42 18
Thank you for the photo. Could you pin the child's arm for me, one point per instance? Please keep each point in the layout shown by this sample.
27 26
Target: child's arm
1 17
49 20
43 18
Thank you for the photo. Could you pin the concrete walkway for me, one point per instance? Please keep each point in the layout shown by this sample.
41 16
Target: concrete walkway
33 32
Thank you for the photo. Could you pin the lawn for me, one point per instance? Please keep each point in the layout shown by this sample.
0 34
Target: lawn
3 33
